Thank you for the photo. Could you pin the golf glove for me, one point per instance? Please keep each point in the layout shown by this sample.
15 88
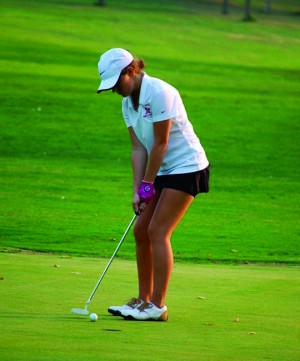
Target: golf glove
146 192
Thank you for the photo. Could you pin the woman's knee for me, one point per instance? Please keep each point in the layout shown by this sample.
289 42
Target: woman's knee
157 233
140 234
151 233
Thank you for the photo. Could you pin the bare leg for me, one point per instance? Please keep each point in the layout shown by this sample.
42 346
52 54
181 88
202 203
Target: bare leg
170 209
144 251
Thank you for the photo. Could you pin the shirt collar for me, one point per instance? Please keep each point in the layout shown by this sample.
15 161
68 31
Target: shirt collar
142 91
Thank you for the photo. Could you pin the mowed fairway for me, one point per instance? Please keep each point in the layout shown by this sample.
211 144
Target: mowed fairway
217 313
65 153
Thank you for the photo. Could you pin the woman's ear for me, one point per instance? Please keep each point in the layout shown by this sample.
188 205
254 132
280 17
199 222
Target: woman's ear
130 70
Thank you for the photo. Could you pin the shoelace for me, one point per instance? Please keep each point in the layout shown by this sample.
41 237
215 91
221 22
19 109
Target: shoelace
133 302
145 306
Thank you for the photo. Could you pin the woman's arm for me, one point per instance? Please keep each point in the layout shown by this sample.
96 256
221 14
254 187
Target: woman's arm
143 171
139 159
158 151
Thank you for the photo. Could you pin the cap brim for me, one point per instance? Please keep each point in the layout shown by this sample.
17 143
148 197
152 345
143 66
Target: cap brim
108 84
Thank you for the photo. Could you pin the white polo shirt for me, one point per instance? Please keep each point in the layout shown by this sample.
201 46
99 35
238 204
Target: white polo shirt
160 101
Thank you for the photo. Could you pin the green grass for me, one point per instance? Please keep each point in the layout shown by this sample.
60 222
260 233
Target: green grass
65 155
65 181
205 303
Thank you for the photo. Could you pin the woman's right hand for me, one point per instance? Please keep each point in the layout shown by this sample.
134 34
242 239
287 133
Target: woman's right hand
137 206
136 203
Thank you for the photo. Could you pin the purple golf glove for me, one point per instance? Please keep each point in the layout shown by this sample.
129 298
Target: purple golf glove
146 192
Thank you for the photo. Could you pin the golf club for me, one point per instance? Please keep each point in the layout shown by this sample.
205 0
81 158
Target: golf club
85 311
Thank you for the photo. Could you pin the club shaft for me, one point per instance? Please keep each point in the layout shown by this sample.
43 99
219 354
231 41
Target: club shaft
111 259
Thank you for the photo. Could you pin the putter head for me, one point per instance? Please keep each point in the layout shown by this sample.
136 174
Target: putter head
79 311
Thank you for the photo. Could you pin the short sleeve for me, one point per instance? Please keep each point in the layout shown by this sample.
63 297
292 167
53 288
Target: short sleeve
125 114
164 105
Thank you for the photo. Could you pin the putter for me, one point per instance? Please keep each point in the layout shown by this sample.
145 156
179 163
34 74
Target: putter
85 312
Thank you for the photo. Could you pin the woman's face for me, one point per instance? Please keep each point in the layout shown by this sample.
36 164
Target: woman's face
125 84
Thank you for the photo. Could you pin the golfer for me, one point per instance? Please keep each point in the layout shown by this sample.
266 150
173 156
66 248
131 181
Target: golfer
169 169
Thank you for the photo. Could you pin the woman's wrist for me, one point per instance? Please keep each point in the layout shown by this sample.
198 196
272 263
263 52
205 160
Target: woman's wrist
147 181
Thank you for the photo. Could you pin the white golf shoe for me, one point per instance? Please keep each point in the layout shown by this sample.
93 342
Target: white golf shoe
132 304
146 312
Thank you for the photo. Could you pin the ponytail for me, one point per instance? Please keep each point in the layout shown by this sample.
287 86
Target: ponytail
137 64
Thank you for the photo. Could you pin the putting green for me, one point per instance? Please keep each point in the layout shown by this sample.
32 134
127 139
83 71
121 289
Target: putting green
216 312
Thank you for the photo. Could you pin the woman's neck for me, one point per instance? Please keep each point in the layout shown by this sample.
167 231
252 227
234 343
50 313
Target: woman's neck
135 95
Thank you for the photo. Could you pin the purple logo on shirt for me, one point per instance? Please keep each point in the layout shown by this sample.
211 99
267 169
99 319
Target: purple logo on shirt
147 111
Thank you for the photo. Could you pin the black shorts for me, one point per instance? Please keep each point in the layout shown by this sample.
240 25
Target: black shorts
191 183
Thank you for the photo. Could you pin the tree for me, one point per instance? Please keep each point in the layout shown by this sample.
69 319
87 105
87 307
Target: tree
100 3
248 11
268 6
225 7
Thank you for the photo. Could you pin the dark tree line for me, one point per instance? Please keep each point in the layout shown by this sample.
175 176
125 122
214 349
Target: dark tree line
225 7
248 8
101 2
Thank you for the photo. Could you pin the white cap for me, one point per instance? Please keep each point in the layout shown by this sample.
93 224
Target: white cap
110 65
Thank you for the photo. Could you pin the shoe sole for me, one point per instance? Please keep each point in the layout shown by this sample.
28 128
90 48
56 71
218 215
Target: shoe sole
114 313
163 318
